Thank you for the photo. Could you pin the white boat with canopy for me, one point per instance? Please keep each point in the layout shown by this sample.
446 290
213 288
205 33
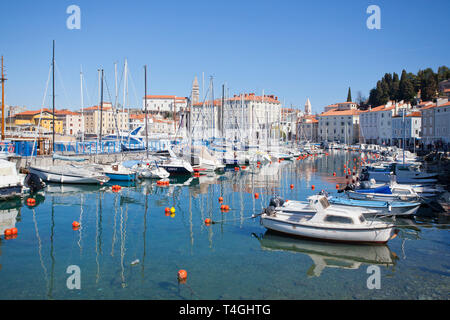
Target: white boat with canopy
329 224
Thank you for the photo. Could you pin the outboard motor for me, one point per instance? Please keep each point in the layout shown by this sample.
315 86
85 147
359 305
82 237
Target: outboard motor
365 184
33 182
276 202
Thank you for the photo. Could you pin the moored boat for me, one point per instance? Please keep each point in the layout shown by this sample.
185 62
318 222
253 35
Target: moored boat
329 224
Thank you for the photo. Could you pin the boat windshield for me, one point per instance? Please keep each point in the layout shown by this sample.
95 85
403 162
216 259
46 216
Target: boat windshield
324 202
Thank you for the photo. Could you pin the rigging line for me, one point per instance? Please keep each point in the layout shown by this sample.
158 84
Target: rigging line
40 115
62 84
114 111
134 88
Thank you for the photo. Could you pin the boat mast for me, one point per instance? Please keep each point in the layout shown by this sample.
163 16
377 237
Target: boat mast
101 110
82 103
3 102
53 79
125 86
145 108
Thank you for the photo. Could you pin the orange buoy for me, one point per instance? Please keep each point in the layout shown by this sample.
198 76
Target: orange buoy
31 201
313 187
256 195
345 166
291 186
167 209
182 275
226 207
334 174
207 221
337 187
220 199
13 231
75 224
244 167
236 168
8 232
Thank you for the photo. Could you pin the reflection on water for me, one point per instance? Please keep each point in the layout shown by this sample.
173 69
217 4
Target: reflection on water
128 247
331 255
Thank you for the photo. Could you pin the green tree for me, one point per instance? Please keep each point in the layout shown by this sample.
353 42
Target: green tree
394 92
349 95
406 86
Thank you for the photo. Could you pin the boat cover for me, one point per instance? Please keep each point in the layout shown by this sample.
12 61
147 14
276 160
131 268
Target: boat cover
383 189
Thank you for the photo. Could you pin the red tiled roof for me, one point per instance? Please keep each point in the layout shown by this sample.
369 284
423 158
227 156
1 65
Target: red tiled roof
96 108
32 112
160 96
335 112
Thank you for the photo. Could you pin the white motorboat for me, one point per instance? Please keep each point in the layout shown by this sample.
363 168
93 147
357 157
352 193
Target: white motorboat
149 170
386 208
423 191
69 174
118 172
328 224
385 193
404 174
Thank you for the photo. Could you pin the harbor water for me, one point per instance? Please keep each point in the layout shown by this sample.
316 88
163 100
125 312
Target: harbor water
128 247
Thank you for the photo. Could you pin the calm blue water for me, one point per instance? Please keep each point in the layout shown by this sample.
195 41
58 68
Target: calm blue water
233 259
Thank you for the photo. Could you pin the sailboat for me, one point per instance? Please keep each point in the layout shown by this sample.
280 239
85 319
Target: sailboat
65 173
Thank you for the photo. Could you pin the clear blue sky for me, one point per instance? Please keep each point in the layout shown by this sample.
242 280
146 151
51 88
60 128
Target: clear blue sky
292 49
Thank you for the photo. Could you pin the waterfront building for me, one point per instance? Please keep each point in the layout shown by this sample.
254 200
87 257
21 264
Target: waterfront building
289 120
376 123
406 126
246 117
73 122
340 123
308 128
435 123
30 120
111 121
164 104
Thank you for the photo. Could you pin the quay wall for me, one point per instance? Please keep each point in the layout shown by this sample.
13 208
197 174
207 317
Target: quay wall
101 158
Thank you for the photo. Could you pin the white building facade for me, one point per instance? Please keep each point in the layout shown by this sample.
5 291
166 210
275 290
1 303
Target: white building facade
340 124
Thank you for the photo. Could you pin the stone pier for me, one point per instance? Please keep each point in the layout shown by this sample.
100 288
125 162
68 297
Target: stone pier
101 158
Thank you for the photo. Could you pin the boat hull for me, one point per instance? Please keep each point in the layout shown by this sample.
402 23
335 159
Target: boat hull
379 207
10 192
49 176
175 170
380 196
121 176
369 236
